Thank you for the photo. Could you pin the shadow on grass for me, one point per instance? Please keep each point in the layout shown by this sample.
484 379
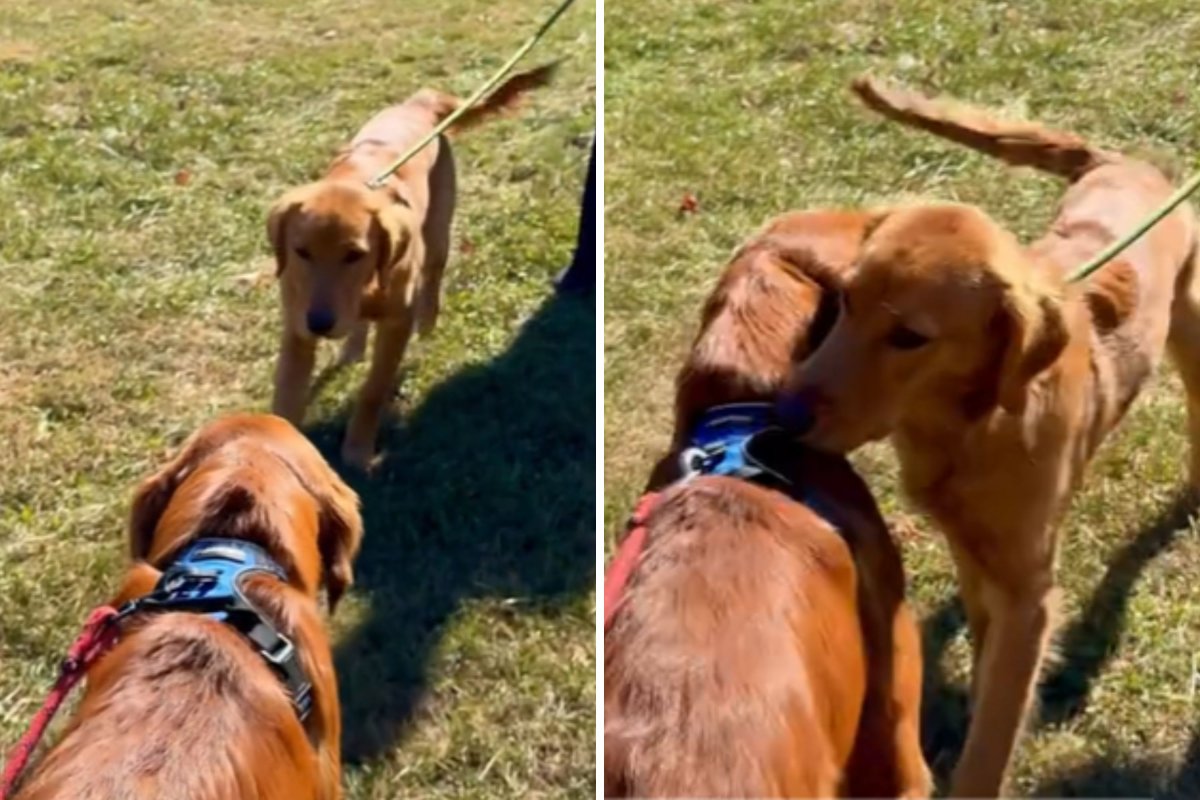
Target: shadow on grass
1088 644
1104 778
944 706
487 490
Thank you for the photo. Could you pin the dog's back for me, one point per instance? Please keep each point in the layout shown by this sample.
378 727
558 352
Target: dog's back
736 667
763 650
394 129
181 708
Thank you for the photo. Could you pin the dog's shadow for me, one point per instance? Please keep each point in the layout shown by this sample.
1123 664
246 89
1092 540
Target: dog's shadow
945 706
1137 777
486 490
1092 639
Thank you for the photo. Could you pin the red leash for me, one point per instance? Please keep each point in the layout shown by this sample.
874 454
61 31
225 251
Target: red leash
99 634
628 554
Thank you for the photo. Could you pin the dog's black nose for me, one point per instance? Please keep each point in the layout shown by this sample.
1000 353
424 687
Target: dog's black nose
795 413
320 321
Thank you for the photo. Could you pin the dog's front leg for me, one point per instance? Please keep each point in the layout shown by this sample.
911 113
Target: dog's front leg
355 346
971 583
1017 634
292 375
391 339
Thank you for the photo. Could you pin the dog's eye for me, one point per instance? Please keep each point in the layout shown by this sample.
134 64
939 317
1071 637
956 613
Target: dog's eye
353 255
903 338
303 253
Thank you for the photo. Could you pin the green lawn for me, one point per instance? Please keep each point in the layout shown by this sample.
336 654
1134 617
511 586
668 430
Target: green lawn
746 106
141 143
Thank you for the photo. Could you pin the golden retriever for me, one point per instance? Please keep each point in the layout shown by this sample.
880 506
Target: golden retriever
184 706
347 254
762 646
996 380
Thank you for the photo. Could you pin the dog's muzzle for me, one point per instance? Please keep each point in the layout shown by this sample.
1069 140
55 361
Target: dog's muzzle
320 321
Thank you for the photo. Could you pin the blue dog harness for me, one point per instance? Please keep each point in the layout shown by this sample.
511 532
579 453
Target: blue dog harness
208 577
735 440
723 443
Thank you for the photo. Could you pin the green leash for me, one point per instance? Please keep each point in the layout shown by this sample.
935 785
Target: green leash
1110 252
491 83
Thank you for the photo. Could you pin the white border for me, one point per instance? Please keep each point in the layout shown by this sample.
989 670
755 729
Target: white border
599 398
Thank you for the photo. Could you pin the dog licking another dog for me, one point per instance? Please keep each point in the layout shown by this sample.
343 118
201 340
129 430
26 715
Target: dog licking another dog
735 661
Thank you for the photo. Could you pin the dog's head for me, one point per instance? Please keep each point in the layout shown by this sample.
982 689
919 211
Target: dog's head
333 241
942 306
253 477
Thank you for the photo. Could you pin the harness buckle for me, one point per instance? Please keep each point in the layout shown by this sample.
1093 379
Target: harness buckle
281 653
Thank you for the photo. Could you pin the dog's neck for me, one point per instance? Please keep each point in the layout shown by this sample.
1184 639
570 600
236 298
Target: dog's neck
938 439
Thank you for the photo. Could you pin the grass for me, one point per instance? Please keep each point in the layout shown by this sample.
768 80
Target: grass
745 105
142 142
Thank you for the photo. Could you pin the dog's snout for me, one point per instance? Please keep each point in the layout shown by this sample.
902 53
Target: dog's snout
320 321
797 412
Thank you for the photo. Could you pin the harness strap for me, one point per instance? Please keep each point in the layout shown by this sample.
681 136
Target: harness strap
98 636
629 553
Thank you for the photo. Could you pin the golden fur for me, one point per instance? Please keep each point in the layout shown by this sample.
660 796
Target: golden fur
996 381
760 651
348 255
183 708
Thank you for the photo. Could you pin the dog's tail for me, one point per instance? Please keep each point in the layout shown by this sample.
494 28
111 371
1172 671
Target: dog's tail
506 99
1024 144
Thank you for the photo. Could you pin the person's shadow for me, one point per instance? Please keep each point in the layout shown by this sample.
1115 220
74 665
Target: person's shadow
487 490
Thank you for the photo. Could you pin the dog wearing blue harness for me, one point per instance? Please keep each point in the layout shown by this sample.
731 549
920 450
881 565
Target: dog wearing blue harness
221 684
761 645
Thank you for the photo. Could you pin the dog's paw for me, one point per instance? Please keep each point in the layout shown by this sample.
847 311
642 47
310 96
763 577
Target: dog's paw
360 456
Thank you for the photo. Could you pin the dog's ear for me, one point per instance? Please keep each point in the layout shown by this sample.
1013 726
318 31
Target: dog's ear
1036 336
154 493
149 502
393 240
277 224
340 536
339 524
340 528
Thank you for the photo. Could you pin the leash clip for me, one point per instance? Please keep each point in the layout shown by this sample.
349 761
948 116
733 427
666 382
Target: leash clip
695 461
